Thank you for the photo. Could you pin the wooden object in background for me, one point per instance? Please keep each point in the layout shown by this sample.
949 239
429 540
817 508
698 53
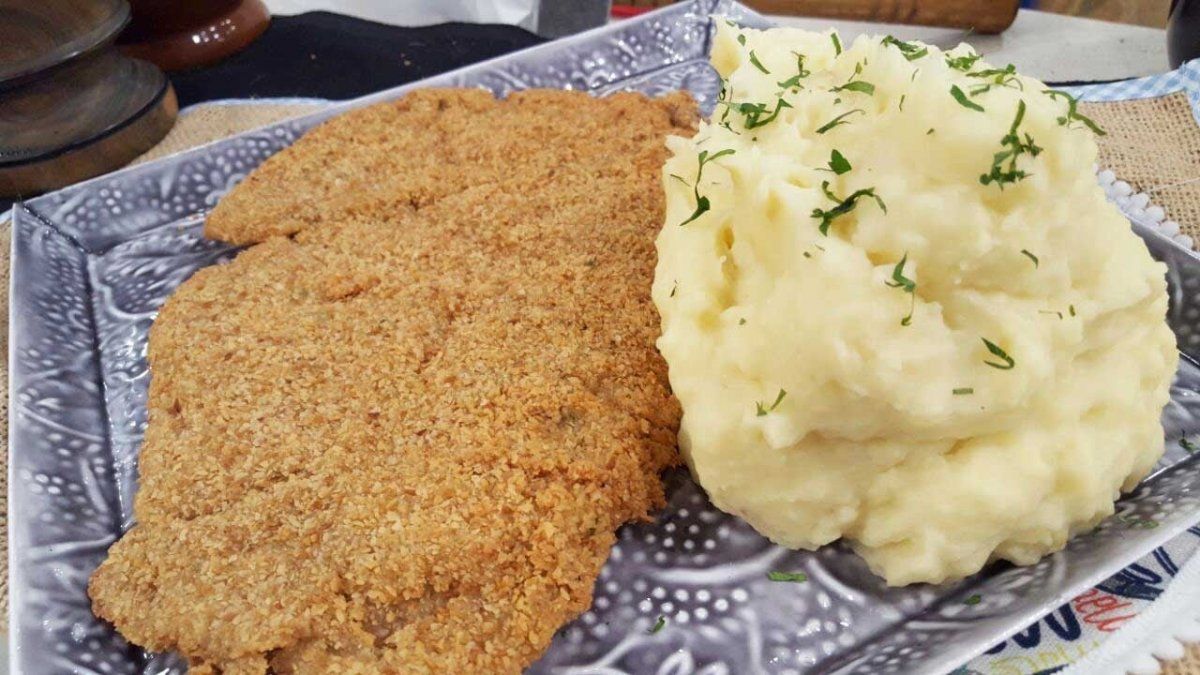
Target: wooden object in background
38 34
71 106
982 16
1141 12
183 34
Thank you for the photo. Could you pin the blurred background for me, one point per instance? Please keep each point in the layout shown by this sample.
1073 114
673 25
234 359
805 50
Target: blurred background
90 85
1151 13
1141 12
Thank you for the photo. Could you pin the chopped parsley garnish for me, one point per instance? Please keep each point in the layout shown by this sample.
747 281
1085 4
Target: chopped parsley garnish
973 600
837 121
761 411
859 86
673 289
742 322
907 285
844 206
741 38
758 64
679 178
1014 148
702 203
838 163
1007 361
1051 311
724 97
1138 523
807 254
1001 77
1187 445
787 576
658 625
1031 256
754 112
911 51
963 391
963 63
902 97
837 44
801 73
963 100
1073 115
930 132
1072 310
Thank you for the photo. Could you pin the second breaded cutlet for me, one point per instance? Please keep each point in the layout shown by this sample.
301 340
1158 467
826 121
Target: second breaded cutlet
401 438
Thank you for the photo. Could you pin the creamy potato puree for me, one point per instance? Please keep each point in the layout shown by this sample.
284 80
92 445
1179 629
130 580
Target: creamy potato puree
969 363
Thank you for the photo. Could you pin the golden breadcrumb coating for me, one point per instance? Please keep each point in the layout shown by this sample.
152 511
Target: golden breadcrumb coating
401 439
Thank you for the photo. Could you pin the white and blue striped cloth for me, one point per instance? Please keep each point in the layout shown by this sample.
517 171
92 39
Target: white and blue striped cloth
1186 78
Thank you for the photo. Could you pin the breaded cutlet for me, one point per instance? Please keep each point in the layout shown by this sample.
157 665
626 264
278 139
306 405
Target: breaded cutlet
401 438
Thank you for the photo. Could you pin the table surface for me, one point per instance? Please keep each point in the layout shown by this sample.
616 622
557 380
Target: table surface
1050 47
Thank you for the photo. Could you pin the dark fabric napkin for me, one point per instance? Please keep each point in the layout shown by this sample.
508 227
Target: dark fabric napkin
325 55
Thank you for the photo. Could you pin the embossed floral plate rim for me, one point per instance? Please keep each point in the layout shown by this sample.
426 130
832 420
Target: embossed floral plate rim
75 395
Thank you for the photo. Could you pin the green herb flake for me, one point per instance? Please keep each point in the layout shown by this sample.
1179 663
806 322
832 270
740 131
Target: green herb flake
837 44
964 391
1031 256
741 322
1006 363
844 206
702 203
1000 77
1073 115
679 178
673 289
973 600
1014 147
902 97
963 100
911 51
807 254
796 577
801 73
1133 522
838 163
1187 445
838 121
758 64
754 113
930 132
1051 311
906 285
962 63
741 38
658 625
761 411
1072 310
857 85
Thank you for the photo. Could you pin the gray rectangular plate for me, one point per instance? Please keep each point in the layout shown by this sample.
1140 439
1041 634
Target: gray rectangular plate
93 263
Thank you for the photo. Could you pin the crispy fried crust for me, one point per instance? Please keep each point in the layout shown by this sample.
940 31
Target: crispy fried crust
401 440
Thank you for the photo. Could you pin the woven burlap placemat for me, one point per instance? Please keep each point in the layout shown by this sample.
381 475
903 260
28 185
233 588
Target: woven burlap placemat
1154 144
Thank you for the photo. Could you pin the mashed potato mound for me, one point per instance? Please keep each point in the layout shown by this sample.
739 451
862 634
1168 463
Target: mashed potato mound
898 309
